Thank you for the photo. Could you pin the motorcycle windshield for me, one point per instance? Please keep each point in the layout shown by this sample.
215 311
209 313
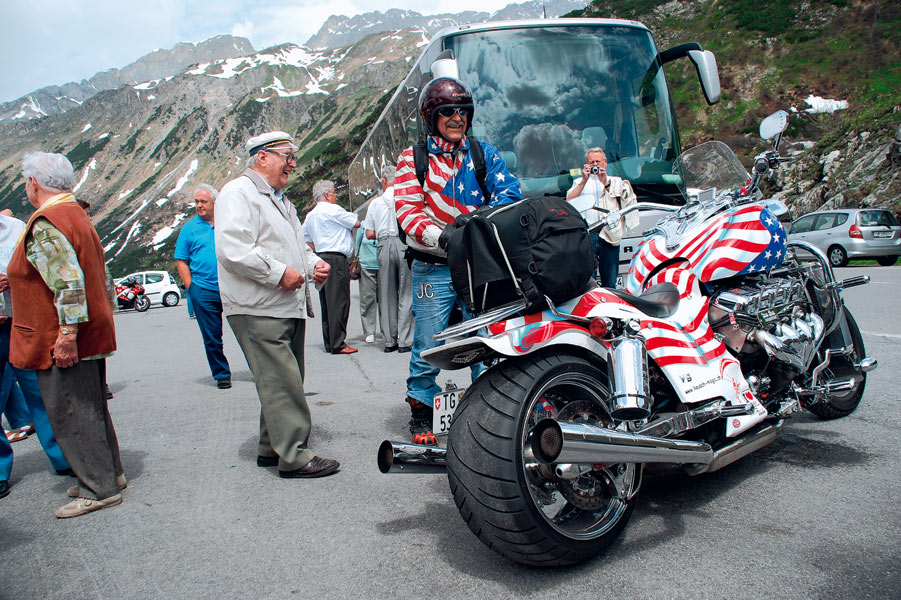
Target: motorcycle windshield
710 166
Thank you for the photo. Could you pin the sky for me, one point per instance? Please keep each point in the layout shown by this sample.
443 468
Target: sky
51 42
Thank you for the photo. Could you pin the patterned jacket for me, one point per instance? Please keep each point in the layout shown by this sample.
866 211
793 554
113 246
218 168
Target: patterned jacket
451 189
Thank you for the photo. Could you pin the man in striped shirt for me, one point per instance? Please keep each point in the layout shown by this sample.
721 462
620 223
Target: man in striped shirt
426 213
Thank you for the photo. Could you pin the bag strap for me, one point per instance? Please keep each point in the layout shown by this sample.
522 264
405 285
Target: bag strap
421 163
478 161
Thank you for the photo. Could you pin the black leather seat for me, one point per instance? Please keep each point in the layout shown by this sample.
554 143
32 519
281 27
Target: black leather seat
659 301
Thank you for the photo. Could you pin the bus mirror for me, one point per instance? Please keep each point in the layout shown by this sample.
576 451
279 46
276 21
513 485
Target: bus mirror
445 66
705 63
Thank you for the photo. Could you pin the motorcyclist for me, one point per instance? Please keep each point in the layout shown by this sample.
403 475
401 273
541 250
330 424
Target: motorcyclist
426 214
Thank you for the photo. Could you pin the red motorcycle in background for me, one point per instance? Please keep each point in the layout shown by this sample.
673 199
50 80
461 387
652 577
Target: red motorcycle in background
130 294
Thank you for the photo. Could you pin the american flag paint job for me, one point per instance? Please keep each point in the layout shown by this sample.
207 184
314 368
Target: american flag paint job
742 240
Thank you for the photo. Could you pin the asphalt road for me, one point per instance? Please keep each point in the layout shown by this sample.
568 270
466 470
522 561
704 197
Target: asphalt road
814 515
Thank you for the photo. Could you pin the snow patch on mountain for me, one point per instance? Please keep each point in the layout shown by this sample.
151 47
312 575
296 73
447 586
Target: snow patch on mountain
84 176
181 181
824 105
160 236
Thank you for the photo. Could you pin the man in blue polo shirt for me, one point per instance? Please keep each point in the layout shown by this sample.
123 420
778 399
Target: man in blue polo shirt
195 252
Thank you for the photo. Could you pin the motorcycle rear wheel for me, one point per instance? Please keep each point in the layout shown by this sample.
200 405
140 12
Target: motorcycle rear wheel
842 405
142 303
514 505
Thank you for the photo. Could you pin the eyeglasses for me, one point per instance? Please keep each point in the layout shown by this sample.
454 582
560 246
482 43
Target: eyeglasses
288 157
449 111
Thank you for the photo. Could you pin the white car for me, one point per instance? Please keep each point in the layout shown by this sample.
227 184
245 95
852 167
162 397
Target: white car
159 286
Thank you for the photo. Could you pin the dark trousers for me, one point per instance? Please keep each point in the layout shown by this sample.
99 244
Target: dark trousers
208 308
334 298
608 260
76 406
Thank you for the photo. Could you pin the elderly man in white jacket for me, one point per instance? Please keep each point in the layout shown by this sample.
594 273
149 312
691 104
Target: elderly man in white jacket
263 269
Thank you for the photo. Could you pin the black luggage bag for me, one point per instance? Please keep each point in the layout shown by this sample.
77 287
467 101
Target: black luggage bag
529 249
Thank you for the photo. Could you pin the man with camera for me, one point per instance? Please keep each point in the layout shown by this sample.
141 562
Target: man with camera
594 190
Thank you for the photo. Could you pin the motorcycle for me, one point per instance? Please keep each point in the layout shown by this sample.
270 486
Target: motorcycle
724 330
130 294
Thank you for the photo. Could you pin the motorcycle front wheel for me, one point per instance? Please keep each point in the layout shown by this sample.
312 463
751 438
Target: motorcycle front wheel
841 404
515 505
142 303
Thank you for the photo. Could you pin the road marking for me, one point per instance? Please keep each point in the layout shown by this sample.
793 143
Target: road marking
880 334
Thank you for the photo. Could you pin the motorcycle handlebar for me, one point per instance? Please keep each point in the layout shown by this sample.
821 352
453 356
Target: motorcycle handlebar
595 227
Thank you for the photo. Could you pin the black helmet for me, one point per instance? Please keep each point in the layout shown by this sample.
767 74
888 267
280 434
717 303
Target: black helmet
441 92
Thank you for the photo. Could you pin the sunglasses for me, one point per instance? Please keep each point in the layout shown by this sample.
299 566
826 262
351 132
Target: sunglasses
288 157
449 111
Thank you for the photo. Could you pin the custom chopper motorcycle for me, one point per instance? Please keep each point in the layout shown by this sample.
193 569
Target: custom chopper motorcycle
723 331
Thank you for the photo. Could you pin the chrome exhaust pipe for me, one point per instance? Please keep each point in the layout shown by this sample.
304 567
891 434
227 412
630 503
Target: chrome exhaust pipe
739 449
399 457
569 442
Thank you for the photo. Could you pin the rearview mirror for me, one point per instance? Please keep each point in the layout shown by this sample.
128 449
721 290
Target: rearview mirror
774 124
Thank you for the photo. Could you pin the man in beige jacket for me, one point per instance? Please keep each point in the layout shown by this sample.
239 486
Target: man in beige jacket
263 269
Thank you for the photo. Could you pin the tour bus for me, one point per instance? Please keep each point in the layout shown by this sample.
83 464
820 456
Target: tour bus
545 91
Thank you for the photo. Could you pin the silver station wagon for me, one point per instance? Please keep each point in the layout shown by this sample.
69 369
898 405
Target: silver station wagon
849 233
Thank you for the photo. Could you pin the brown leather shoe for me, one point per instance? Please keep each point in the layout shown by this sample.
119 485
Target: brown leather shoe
318 467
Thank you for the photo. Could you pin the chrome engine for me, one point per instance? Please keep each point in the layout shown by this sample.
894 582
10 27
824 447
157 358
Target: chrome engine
772 314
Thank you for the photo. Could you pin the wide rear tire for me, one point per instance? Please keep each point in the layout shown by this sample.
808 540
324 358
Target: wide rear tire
514 505
842 405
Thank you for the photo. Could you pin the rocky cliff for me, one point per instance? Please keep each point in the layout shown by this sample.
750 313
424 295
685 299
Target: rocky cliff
339 30
834 64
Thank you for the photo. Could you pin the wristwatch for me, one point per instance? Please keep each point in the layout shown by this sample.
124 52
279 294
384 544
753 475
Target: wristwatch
67 331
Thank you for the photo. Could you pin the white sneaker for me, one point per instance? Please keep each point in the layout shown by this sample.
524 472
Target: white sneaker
370 339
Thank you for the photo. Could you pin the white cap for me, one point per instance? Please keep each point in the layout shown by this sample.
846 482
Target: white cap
272 139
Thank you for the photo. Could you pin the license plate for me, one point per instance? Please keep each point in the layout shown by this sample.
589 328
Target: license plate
882 234
443 411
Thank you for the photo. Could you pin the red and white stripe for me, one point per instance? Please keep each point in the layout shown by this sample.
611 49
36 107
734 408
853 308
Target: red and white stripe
417 208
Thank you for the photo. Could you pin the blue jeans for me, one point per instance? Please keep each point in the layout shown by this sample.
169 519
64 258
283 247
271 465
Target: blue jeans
16 411
190 306
433 300
28 381
208 308
608 260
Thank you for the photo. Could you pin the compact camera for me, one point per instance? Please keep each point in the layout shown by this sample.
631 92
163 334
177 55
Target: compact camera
595 170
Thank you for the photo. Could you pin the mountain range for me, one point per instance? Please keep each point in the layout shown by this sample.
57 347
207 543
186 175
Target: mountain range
142 136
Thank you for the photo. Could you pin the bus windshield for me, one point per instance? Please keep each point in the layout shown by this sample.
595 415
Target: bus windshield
545 95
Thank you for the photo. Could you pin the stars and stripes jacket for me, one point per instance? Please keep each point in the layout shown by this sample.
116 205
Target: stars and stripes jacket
450 189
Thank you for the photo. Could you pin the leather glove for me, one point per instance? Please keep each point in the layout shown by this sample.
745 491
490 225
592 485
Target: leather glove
445 236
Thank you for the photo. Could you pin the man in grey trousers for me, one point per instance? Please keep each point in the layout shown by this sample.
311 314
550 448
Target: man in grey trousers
395 281
263 269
